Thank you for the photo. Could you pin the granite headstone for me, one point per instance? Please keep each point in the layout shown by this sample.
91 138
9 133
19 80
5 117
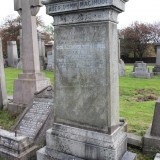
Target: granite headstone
12 54
86 82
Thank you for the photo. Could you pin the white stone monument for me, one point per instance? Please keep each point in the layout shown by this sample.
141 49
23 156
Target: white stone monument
31 80
3 92
86 116
12 54
140 70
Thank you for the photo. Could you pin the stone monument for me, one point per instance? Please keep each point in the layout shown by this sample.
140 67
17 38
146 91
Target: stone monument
140 70
121 62
156 69
86 82
151 140
31 80
41 47
12 54
3 92
50 56
20 63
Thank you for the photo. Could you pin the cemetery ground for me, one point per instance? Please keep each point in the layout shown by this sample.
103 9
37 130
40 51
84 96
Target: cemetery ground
137 101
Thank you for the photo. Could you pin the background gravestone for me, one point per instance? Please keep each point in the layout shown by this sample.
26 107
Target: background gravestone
86 82
3 92
156 69
12 54
140 70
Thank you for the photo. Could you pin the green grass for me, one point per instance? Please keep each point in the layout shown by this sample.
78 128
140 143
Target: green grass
138 113
133 101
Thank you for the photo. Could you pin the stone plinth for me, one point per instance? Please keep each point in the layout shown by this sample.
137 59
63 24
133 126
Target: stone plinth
156 69
62 144
26 85
3 92
12 54
151 140
86 112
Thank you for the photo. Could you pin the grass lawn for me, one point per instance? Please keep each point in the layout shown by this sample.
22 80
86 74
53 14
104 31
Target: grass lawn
137 101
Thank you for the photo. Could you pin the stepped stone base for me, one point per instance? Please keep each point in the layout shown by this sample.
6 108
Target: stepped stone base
26 85
68 143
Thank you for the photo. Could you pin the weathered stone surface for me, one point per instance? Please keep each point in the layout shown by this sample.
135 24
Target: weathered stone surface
129 156
3 92
86 81
12 54
134 140
15 147
90 144
38 117
151 144
156 69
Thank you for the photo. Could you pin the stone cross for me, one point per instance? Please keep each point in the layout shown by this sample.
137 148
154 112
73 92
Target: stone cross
31 80
28 10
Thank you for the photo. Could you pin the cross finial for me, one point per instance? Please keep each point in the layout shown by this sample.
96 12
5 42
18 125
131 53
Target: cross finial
34 5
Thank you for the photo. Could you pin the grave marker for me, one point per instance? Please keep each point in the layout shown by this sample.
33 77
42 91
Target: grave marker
156 69
140 70
86 117
12 54
3 92
31 80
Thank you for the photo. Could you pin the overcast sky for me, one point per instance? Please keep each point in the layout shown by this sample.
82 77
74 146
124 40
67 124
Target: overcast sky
136 10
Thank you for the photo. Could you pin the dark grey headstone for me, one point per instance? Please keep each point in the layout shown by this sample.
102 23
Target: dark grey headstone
155 130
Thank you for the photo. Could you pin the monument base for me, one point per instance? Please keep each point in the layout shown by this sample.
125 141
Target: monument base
65 142
156 70
151 144
146 75
26 85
